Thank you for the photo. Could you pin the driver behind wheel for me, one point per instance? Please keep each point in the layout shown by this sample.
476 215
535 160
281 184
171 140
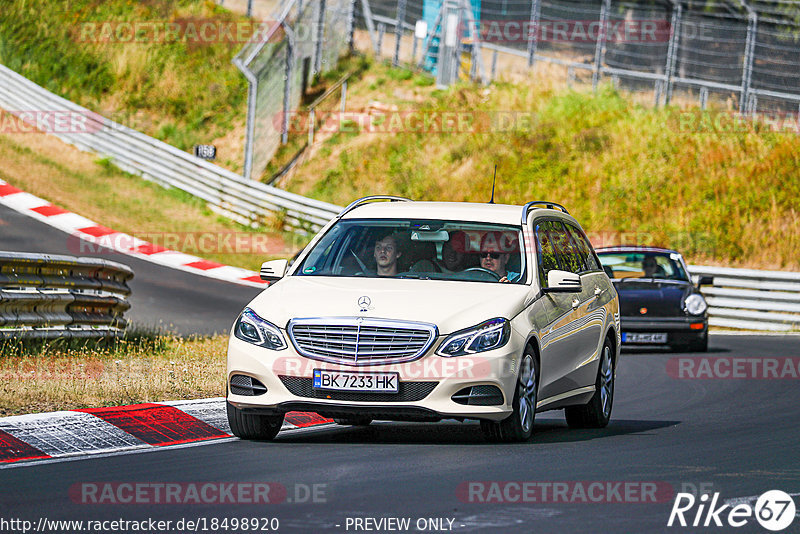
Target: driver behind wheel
492 259
386 253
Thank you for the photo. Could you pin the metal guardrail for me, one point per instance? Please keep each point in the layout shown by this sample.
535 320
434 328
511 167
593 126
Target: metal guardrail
749 299
248 202
49 296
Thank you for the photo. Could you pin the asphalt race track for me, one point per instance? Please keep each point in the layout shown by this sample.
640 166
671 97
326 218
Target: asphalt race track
738 437
175 300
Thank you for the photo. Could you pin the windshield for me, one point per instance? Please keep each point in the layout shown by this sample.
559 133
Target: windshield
643 265
427 249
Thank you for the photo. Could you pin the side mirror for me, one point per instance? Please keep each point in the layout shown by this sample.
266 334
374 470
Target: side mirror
705 281
562 282
273 270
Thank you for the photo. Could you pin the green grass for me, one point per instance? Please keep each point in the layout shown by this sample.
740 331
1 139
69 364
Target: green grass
182 92
627 172
42 376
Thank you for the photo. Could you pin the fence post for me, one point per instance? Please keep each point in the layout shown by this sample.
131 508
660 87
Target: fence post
381 32
752 105
672 48
477 49
447 62
494 64
344 97
749 47
320 36
287 88
351 25
398 30
533 40
368 20
599 52
251 125
249 8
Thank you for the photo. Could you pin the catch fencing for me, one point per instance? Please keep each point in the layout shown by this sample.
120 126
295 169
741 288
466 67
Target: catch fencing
750 299
305 40
50 296
743 54
246 201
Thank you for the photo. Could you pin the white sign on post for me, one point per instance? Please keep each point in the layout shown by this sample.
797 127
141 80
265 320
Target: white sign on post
451 33
421 29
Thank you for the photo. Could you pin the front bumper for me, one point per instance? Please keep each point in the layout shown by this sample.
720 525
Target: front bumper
426 384
678 329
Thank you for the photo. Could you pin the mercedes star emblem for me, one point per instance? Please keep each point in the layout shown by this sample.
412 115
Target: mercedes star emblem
364 303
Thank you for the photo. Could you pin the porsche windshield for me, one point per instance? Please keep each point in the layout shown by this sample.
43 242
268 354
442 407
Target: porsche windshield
643 265
429 249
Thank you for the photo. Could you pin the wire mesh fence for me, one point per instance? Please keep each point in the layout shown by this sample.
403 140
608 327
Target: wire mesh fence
742 54
305 39
745 53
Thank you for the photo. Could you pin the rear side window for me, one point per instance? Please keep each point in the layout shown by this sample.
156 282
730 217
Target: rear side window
584 249
568 251
546 241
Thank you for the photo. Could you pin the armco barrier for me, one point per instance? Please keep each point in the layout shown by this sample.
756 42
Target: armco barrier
752 300
248 202
49 296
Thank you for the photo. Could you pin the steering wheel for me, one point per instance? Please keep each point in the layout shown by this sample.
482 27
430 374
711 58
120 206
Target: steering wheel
494 275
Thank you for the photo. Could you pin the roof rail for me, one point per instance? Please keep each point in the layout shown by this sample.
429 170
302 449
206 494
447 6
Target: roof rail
546 203
364 200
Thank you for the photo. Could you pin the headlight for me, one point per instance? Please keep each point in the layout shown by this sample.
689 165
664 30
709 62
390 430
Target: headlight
253 329
695 304
492 334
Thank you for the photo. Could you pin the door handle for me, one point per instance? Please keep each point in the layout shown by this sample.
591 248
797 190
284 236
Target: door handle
575 303
598 291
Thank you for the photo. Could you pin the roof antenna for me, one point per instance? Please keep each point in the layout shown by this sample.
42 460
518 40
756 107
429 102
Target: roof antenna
494 179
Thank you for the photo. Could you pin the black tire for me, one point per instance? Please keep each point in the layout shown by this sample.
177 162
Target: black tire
352 421
699 345
597 412
519 425
253 426
695 345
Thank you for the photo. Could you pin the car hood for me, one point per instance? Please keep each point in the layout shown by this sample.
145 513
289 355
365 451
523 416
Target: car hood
450 305
662 299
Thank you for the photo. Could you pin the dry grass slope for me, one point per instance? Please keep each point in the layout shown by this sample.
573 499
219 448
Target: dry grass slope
139 370
623 169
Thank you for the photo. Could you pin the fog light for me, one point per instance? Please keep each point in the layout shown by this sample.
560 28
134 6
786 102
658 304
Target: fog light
696 326
479 396
247 386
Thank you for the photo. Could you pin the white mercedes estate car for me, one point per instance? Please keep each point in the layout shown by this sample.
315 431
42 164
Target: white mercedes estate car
423 311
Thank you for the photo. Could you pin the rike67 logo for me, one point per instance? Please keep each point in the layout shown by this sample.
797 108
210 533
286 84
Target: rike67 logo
774 510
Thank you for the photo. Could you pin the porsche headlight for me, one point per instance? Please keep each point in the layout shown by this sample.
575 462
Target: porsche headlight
490 335
695 304
253 329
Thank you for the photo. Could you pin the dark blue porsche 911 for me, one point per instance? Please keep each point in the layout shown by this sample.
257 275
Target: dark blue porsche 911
659 305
